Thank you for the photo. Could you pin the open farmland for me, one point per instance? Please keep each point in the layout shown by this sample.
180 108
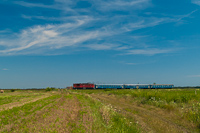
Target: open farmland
172 110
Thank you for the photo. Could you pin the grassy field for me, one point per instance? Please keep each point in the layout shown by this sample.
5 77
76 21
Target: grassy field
100 111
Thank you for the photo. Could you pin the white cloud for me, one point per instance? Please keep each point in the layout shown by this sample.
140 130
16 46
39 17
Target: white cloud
143 22
196 2
103 5
186 15
27 4
194 76
49 37
42 39
152 51
59 5
122 4
132 63
5 31
5 69
84 31
102 46
50 33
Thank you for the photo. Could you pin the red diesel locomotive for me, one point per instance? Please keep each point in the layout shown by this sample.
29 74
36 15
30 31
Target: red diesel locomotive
83 86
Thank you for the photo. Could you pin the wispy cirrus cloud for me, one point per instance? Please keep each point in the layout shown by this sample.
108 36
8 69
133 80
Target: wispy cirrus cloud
143 22
91 30
58 5
48 37
102 46
132 63
122 5
196 2
27 4
102 5
186 15
74 34
5 31
149 51
194 76
5 69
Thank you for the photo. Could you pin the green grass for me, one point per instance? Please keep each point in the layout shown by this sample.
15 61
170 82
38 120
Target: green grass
185 101
18 95
5 99
106 119
175 95
18 115
91 114
147 96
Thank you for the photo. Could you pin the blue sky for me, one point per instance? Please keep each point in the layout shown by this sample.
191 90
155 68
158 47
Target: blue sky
60 42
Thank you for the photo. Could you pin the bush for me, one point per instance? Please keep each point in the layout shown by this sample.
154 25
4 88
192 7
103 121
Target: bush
12 90
50 89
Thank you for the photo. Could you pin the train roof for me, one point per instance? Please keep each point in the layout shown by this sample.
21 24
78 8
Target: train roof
124 84
148 84
161 84
136 84
109 84
82 83
133 84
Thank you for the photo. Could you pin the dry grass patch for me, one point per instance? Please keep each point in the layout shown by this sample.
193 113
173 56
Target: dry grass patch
20 101
149 117
13 119
66 115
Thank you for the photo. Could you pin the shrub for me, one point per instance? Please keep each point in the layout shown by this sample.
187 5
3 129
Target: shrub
50 89
12 90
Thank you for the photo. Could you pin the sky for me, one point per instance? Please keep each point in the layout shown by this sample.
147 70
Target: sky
56 43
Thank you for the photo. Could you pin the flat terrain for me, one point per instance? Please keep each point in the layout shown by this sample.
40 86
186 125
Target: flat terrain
100 111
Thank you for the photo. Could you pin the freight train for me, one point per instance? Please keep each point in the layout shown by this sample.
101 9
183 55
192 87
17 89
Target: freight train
121 86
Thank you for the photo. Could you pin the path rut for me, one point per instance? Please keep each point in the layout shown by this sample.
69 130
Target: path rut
149 120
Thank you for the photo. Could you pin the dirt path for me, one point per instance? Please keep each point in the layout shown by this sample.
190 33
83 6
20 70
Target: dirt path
151 119
22 102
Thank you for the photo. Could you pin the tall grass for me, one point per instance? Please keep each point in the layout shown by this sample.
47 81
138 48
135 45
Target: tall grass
185 101
167 95
106 119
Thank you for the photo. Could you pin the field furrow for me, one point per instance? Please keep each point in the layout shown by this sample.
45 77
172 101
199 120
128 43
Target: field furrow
23 101
100 111
11 119
154 120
